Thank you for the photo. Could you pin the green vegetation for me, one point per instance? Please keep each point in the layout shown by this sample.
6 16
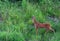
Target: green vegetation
16 20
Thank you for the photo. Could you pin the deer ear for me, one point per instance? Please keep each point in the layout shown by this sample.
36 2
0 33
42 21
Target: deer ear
33 16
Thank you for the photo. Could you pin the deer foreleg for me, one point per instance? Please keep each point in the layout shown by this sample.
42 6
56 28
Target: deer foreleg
36 29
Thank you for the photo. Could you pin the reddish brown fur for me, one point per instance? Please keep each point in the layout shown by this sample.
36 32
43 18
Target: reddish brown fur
41 25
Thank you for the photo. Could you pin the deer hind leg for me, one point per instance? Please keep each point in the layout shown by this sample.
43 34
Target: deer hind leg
51 29
46 31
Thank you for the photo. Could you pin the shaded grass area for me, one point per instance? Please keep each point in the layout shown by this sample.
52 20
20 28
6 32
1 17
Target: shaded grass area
16 22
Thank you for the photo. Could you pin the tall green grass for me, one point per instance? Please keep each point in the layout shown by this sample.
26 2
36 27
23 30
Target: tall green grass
17 22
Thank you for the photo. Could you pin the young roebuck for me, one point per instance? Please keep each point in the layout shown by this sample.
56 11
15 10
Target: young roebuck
41 25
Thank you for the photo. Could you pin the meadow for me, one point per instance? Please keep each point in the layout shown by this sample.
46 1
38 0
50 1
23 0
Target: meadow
16 20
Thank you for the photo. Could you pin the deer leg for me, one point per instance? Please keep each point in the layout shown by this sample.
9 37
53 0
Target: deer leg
46 31
36 31
52 29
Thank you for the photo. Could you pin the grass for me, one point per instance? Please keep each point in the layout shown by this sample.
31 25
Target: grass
17 25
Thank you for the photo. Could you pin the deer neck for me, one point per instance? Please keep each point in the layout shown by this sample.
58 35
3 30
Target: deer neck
35 21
